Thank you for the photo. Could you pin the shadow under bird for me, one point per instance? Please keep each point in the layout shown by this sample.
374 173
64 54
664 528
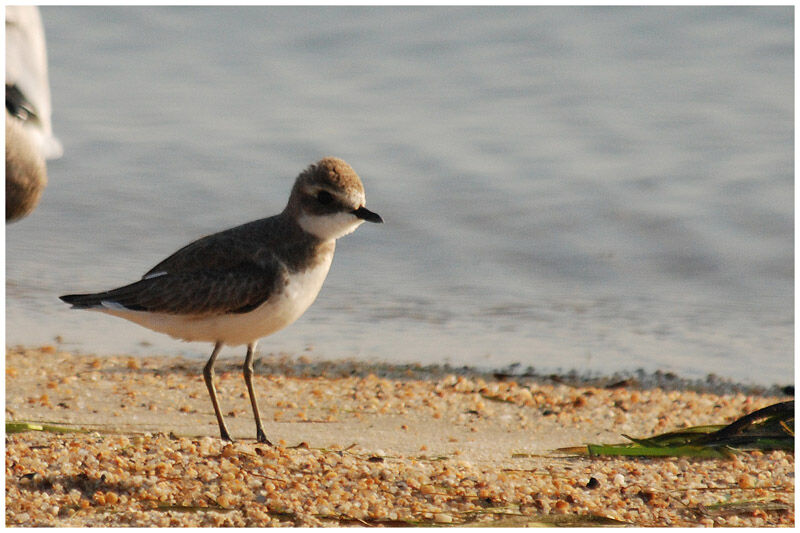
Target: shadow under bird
244 283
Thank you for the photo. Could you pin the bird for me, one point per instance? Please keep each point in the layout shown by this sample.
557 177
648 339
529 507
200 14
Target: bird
29 135
244 283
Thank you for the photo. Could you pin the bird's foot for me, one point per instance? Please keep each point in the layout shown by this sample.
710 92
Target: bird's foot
262 438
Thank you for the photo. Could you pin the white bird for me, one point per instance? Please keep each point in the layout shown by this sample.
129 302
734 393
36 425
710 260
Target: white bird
29 134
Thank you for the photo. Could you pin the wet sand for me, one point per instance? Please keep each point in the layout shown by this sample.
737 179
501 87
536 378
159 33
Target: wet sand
359 444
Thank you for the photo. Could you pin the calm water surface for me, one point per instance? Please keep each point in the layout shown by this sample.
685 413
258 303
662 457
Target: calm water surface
566 188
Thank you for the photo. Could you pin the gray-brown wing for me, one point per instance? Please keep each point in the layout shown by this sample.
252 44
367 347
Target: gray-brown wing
200 292
219 251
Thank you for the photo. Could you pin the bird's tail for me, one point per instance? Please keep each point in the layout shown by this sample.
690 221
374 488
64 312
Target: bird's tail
83 301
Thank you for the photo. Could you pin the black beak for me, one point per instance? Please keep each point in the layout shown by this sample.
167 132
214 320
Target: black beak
365 214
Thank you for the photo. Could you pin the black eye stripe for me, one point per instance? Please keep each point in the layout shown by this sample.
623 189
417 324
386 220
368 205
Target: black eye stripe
324 197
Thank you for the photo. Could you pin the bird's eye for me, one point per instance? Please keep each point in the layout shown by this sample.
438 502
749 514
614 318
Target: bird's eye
324 197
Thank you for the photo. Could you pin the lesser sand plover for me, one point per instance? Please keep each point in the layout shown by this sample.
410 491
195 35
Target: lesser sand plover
239 285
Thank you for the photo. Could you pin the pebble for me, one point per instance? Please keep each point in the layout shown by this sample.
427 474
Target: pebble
157 480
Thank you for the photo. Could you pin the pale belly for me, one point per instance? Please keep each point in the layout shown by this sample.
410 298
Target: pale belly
238 328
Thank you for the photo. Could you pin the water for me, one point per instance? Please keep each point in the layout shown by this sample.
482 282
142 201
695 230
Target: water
567 188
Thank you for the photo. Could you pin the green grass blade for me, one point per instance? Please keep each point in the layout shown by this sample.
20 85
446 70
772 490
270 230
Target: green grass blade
656 451
770 428
20 427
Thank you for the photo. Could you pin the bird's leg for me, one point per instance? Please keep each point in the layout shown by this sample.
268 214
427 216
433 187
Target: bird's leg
208 375
247 370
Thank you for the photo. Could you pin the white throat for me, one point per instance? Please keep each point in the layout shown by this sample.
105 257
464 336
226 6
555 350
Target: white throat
329 227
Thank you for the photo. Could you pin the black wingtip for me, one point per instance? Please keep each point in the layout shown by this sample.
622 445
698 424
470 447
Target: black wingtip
18 105
69 298
78 301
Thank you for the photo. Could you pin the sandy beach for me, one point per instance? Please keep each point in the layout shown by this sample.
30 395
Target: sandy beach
359 444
